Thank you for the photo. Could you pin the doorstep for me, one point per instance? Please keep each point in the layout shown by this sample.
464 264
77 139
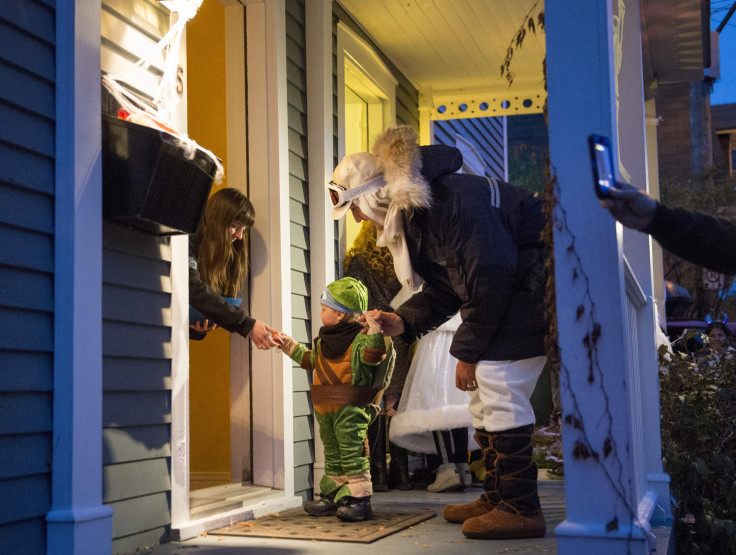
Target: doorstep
234 509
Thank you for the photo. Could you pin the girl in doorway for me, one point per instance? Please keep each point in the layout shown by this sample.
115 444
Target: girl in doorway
218 265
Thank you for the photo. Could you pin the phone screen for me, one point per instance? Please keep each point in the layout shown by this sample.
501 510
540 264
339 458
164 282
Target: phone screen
602 159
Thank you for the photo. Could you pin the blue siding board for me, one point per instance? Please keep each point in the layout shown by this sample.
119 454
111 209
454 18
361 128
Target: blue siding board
16 83
27 209
24 455
25 371
121 339
28 536
135 443
33 18
24 498
136 306
127 270
136 374
26 129
25 412
135 408
26 169
26 289
31 331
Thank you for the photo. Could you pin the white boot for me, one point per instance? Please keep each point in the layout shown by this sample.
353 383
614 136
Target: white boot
447 479
466 478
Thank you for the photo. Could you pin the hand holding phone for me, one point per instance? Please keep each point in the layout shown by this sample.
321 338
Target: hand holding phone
601 157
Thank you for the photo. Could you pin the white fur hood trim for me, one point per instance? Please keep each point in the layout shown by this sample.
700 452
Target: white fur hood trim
398 150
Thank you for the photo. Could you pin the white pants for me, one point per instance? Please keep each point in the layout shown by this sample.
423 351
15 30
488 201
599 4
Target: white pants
501 401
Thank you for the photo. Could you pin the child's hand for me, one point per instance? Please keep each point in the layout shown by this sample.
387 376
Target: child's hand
389 405
286 343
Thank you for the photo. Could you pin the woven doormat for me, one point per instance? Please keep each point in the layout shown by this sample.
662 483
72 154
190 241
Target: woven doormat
297 525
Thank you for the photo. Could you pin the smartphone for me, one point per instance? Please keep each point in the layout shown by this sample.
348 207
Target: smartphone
601 157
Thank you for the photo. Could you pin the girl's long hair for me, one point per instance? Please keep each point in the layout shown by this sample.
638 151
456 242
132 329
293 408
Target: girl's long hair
222 263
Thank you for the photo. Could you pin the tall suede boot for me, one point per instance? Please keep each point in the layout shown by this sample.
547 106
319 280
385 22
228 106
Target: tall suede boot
519 513
490 496
398 471
377 443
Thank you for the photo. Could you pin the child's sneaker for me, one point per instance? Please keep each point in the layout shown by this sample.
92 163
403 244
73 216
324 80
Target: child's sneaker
447 479
326 506
355 509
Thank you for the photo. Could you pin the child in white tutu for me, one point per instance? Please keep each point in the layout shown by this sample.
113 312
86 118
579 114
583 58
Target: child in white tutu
433 413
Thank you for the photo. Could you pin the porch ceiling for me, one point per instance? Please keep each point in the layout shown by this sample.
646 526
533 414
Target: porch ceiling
452 51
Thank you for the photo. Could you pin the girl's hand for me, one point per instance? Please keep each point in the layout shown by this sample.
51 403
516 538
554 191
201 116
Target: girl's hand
262 336
203 327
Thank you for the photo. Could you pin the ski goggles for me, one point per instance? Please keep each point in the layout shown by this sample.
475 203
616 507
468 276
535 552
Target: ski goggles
340 196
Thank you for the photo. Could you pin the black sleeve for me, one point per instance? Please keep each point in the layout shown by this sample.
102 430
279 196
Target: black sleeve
703 240
214 306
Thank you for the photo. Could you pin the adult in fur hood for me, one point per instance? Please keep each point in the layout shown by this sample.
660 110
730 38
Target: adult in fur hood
473 244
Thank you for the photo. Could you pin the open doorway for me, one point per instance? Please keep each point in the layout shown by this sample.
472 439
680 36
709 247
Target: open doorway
219 366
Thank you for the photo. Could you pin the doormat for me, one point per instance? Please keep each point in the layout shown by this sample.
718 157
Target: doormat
297 525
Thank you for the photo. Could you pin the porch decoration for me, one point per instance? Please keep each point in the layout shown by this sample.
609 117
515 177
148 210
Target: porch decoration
155 177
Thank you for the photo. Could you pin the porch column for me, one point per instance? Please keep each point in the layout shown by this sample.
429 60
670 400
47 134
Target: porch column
78 521
638 249
602 480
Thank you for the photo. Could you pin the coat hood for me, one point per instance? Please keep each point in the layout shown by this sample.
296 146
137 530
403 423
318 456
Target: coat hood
399 154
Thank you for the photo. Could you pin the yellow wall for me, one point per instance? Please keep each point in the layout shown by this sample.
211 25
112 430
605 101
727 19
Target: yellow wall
209 362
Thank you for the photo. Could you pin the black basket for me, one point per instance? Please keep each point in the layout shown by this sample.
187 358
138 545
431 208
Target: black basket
147 181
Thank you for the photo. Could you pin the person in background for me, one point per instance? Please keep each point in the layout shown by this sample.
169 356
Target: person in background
718 334
433 415
373 266
218 266
343 362
703 240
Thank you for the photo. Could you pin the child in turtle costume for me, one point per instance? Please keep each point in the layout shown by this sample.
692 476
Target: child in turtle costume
350 371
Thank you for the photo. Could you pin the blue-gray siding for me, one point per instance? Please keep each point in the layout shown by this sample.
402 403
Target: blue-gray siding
296 64
27 186
486 134
136 417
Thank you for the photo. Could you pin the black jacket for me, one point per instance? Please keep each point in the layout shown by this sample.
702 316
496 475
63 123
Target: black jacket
210 303
703 240
478 250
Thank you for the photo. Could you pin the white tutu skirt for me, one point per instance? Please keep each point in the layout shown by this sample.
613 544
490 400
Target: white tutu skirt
430 401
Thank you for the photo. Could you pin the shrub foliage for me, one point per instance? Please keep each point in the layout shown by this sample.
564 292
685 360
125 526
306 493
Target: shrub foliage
698 404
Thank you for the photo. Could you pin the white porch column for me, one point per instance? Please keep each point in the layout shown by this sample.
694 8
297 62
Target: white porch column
78 521
321 161
602 481
632 141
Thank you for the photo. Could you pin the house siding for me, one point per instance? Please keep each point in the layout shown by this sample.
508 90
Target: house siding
136 329
27 187
486 134
296 72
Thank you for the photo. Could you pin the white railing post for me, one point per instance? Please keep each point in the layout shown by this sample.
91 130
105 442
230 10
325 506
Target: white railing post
603 483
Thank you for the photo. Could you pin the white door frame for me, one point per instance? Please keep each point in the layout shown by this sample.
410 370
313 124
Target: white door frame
271 380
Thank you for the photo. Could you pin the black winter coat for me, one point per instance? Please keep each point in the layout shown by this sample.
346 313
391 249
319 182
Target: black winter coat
478 250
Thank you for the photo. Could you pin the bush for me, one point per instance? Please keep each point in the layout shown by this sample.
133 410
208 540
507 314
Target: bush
698 404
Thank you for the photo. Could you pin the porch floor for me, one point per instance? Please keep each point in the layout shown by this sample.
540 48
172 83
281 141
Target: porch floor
432 536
